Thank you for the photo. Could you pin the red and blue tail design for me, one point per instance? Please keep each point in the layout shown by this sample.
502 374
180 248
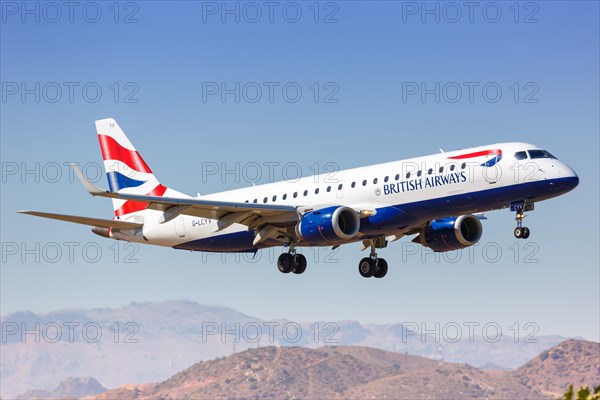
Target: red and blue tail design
126 170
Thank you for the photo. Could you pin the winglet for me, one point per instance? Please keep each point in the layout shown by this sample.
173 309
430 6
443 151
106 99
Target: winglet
90 187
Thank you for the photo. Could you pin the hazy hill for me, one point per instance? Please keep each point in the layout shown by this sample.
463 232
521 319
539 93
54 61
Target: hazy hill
165 338
574 362
328 372
69 388
168 337
492 367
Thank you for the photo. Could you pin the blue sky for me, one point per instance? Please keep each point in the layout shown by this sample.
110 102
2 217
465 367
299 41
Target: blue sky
154 67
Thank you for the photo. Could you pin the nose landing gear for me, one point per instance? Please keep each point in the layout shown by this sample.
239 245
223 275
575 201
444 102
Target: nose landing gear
521 232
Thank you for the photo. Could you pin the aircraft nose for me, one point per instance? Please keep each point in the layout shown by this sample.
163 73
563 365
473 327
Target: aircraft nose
571 180
574 181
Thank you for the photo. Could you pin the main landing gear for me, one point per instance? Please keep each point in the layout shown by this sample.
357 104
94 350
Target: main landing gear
373 266
521 232
291 262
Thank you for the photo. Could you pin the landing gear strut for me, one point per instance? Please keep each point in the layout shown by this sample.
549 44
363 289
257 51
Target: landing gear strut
373 266
521 232
291 262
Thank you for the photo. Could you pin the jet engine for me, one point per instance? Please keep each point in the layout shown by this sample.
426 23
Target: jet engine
452 233
329 225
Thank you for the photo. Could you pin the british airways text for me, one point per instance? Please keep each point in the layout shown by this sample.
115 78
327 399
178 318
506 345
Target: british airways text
417 184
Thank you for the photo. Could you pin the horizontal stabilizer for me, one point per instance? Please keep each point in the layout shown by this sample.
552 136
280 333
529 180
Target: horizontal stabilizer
103 223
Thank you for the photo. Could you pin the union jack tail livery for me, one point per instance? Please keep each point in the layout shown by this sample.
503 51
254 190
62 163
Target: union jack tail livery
126 170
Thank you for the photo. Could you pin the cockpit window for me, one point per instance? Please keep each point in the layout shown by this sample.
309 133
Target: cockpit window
520 155
540 154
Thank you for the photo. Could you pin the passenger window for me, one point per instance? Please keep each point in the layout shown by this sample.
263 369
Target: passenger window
285 196
520 155
407 175
274 198
397 176
305 193
419 173
353 184
265 200
340 186
441 169
463 165
430 171
365 182
452 167
317 191
255 201
329 188
387 178
247 201
295 194
375 181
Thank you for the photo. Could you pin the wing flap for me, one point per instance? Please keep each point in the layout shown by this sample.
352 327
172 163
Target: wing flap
103 223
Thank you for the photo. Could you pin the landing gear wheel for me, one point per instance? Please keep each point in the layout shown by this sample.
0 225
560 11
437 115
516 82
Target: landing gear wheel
285 263
518 232
367 267
521 232
382 268
300 264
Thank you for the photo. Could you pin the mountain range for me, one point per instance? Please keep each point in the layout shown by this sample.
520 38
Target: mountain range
39 350
355 372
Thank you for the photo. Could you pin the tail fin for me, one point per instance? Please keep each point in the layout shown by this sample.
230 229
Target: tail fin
126 170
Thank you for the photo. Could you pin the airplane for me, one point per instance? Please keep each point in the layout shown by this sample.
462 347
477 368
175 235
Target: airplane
439 198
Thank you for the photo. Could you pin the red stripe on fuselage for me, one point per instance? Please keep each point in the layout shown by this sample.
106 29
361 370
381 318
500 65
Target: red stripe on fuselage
112 150
477 154
132 206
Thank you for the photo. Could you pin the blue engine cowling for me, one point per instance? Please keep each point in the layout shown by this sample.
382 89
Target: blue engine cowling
451 233
329 225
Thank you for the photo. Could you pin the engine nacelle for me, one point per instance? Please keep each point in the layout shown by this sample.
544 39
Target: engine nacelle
453 233
104 232
329 225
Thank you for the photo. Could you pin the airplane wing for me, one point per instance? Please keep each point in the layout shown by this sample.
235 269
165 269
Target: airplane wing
103 223
227 213
268 218
222 211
